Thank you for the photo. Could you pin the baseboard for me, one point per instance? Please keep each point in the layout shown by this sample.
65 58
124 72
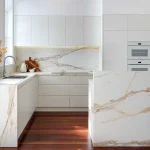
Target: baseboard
61 109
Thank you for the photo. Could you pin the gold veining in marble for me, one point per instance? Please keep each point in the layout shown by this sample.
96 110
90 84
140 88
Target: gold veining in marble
111 105
11 120
55 60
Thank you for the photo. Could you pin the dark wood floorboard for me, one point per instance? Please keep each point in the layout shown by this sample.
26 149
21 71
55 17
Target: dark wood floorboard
59 131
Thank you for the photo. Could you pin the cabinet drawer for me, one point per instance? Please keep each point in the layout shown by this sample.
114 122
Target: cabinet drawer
54 80
79 90
79 101
53 101
80 79
54 90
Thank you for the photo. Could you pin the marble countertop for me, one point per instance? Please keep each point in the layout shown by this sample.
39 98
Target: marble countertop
18 82
60 73
21 82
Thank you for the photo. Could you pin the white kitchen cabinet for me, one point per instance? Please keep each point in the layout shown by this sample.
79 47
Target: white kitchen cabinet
40 31
115 50
80 80
78 101
22 30
74 31
79 90
56 80
115 22
27 102
92 31
138 22
57 31
53 101
59 90
63 91
138 35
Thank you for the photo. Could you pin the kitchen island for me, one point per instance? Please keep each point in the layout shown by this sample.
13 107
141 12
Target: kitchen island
119 109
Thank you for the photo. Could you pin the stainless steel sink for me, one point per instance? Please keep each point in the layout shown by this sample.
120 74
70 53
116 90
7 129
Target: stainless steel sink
16 77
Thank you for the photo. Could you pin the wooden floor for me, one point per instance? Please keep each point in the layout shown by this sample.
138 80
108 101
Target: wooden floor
59 131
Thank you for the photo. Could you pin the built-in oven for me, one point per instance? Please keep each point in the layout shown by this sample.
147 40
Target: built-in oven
138 50
138 65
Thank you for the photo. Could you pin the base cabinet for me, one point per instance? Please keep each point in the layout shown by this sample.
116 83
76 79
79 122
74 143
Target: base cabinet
53 101
27 103
63 91
78 101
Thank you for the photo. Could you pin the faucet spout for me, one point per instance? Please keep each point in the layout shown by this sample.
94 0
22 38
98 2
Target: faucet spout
4 65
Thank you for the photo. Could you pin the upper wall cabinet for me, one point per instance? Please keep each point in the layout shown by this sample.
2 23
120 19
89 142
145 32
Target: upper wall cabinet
115 22
57 30
22 30
92 31
139 22
126 6
40 31
74 31
138 35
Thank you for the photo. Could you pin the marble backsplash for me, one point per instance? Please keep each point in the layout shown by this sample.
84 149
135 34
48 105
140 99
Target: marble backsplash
75 59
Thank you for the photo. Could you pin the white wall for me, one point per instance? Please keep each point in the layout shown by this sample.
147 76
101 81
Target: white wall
9 27
126 6
2 20
58 7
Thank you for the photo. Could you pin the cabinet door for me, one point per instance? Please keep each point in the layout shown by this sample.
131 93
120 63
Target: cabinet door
54 90
53 101
22 30
115 22
115 50
80 80
138 22
40 30
78 90
54 80
74 31
27 102
57 31
92 31
78 101
138 35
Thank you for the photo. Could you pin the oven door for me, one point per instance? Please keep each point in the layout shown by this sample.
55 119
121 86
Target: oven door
138 67
138 52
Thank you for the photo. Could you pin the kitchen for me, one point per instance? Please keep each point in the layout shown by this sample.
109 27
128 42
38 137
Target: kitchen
74 42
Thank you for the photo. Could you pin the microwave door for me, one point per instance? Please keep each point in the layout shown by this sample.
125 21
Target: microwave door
136 52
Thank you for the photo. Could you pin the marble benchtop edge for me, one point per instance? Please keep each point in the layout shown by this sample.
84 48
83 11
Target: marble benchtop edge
22 82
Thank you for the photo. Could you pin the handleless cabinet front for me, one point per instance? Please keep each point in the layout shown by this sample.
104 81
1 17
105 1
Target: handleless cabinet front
27 102
54 91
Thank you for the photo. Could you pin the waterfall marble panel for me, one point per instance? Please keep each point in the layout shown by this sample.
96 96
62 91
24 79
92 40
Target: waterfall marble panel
8 116
77 59
121 109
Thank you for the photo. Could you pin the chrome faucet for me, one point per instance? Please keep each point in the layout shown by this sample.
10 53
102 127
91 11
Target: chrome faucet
4 66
